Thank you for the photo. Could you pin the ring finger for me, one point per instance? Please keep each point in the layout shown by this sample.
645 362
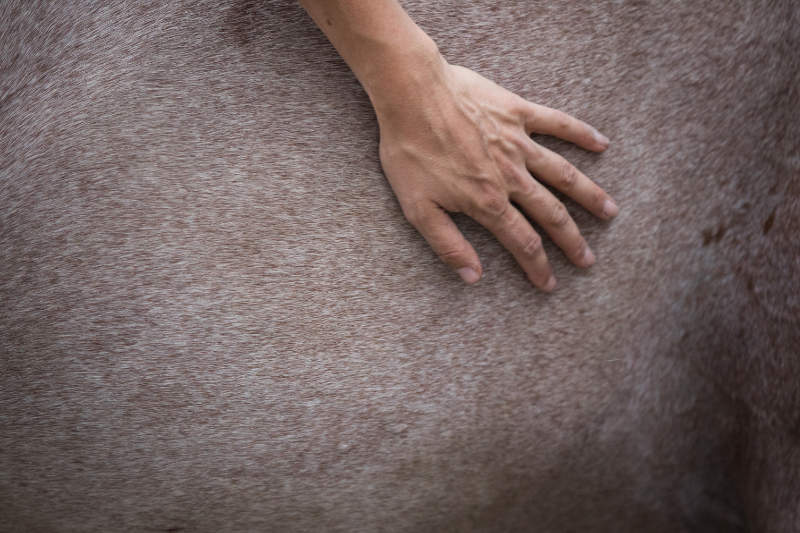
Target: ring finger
547 211
516 235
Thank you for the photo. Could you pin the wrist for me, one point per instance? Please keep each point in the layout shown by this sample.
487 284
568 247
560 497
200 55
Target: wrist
392 57
406 78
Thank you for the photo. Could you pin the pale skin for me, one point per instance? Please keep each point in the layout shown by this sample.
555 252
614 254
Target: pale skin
453 141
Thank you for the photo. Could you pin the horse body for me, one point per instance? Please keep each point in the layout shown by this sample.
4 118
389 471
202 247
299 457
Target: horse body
214 316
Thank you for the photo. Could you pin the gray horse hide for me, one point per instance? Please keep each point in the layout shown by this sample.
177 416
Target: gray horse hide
214 317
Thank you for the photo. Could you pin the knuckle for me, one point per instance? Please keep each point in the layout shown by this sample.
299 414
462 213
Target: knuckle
492 205
522 106
451 255
598 197
553 119
589 133
507 168
559 217
527 110
519 181
414 213
538 197
563 121
532 245
520 143
526 186
487 187
579 249
508 145
568 175
535 154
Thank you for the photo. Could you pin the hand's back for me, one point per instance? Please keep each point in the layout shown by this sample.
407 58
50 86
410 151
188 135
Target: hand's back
215 316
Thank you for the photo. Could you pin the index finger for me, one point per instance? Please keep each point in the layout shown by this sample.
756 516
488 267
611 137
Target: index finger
547 121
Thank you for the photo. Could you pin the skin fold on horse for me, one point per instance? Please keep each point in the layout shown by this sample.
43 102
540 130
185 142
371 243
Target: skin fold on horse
215 317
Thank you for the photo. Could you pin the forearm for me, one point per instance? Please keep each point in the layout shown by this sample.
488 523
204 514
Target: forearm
389 54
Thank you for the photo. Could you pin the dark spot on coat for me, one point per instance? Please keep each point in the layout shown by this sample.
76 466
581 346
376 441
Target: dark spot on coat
769 222
713 235
244 21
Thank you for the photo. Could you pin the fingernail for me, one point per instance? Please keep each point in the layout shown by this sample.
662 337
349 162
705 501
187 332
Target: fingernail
588 257
551 284
600 138
469 275
610 209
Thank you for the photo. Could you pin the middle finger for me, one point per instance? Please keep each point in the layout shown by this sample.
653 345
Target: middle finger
547 211
554 170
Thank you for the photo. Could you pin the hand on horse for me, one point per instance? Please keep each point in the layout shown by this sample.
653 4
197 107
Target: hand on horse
462 144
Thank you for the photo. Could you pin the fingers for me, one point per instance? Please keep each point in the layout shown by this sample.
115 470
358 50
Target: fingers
554 170
547 211
447 241
517 235
548 121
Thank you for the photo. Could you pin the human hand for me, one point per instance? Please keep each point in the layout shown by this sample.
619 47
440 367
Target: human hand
462 144
451 140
